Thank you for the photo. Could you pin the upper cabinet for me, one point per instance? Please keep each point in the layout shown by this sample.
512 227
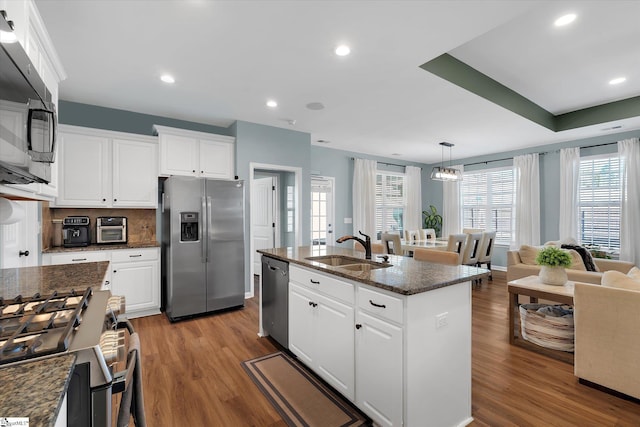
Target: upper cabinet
191 153
104 169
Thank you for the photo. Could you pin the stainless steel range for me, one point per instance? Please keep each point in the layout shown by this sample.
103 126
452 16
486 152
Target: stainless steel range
84 323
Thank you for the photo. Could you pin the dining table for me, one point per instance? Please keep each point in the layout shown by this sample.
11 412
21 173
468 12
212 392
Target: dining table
436 244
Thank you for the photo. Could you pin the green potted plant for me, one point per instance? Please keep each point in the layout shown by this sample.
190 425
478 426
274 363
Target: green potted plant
432 219
553 262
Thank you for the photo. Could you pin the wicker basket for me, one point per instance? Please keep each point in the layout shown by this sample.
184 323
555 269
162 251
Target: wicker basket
549 326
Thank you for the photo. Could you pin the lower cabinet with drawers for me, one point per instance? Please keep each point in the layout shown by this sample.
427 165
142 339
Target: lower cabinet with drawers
134 273
386 352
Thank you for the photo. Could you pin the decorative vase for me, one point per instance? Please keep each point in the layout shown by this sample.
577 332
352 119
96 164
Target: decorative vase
553 275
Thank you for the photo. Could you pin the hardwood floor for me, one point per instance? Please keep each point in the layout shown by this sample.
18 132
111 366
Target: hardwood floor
192 374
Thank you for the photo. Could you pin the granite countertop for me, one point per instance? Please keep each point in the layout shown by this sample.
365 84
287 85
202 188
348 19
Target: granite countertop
45 279
35 390
406 276
106 247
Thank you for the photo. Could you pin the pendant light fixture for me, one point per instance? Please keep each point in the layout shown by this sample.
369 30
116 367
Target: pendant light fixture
442 173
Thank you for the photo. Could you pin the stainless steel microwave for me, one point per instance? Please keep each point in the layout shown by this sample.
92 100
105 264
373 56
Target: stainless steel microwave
27 118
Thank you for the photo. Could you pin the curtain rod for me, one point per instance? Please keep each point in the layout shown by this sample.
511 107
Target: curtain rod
388 164
541 154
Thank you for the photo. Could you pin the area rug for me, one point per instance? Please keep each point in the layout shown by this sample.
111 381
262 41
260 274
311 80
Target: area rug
298 396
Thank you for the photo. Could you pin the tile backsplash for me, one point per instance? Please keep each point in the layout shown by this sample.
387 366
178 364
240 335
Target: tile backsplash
141 223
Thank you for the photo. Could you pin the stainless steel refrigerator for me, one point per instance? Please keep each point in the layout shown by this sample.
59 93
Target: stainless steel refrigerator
202 245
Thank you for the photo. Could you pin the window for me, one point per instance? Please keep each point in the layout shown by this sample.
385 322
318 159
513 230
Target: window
600 196
390 203
487 202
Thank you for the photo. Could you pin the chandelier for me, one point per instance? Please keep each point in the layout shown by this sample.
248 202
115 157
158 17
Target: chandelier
442 173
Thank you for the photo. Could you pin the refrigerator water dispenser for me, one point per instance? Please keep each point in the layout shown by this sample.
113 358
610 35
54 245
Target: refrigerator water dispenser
188 226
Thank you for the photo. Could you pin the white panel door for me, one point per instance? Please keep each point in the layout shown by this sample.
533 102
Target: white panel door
303 312
322 211
138 282
262 218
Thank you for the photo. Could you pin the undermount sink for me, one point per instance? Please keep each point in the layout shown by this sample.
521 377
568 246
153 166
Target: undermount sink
348 263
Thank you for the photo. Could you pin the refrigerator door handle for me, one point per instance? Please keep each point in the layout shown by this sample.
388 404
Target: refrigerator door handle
162 208
205 232
209 222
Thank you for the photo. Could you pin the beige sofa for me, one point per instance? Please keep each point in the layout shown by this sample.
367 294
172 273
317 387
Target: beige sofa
607 343
516 269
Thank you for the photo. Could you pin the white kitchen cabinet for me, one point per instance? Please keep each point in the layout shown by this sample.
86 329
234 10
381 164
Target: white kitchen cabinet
136 275
104 169
322 333
409 355
190 153
378 361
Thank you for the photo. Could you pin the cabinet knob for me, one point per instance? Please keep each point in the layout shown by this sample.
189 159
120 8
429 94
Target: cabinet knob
201 171
194 171
115 200
358 326
23 253
115 271
313 304
104 200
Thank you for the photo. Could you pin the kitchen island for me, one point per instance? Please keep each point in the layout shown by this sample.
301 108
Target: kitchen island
36 388
393 337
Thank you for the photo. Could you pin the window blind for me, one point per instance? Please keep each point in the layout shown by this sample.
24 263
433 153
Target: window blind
600 196
390 203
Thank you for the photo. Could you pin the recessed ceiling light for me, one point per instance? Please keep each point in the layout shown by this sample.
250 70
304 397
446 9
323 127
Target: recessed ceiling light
167 78
617 80
565 20
272 104
343 50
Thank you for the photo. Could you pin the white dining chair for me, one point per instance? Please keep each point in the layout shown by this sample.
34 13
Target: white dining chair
411 235
427 234
436 256
456 244
486 250
472 230
471 252
391 243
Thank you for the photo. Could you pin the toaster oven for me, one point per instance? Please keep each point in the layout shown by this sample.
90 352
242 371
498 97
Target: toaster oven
111 229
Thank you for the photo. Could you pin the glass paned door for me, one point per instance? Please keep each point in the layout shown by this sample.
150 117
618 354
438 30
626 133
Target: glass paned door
322 211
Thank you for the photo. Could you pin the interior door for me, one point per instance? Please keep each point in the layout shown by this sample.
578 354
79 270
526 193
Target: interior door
322 211
19 245
262 217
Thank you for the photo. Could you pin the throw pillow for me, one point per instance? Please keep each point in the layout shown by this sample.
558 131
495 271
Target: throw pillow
576 260
585 254
528 254
616 279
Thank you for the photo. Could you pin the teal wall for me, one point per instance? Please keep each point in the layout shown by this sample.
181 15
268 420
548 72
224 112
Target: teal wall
549 179
92 116
339 164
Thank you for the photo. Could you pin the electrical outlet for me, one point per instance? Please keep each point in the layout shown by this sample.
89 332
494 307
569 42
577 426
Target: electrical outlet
441 319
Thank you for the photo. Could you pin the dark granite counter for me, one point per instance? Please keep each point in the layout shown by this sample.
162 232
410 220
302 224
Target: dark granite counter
109 247
45 279
406 276
35 389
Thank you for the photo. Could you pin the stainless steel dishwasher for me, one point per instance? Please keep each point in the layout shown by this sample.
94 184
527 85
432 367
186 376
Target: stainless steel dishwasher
275 299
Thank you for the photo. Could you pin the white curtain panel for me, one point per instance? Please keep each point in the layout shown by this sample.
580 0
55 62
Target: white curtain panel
364 197
569 192
451 206
629 150
413 212
527 224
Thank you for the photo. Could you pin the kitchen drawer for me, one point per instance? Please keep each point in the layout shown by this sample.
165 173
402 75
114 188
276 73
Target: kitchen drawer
133 255
335 288
382 305
78 257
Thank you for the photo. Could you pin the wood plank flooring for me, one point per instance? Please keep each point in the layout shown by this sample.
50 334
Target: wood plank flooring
192 374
